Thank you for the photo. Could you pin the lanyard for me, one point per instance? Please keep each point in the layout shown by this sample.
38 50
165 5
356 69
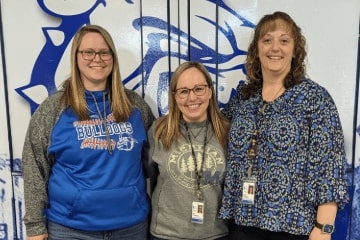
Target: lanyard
104 121
252 151
198 173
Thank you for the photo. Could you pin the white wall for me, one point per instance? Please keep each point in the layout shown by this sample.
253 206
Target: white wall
331 29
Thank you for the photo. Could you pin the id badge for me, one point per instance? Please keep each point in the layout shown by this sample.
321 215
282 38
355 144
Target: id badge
248 193
197 212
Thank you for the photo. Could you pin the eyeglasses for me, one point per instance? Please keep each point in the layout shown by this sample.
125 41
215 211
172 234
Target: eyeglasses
91 54
198 90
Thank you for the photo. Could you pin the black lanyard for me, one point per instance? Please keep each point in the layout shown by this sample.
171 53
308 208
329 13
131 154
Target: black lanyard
198 173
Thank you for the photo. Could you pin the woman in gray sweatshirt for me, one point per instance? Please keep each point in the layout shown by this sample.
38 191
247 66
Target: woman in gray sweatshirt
187 152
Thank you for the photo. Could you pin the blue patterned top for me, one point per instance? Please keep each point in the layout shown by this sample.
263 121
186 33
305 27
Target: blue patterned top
300 161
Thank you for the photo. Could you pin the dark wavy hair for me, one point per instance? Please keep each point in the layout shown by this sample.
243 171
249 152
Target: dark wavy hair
253 66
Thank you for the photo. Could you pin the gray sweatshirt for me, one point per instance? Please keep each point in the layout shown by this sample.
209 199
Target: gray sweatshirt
176 184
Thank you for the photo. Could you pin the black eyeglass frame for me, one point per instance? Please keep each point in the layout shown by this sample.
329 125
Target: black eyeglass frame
178 93
94 53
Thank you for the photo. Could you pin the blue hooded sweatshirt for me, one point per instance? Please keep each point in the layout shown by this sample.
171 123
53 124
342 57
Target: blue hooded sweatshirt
92 187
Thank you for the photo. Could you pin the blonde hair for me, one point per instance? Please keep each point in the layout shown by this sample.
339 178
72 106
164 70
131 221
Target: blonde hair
167 128
74 90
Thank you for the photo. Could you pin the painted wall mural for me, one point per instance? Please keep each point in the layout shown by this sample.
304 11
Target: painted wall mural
153 37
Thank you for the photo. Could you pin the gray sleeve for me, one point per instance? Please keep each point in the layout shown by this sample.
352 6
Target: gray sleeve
36 166
149 164
141 104
148 119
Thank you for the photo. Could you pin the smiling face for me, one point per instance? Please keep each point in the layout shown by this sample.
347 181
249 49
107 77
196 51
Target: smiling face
94 73
193 107
276 50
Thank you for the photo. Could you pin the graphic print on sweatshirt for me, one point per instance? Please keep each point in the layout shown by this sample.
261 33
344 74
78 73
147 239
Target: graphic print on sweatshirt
181 166
93 134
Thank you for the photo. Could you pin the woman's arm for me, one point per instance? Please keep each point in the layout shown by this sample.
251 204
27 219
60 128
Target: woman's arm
326 214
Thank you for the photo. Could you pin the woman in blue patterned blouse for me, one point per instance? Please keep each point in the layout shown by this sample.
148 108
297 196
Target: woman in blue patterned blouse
286 160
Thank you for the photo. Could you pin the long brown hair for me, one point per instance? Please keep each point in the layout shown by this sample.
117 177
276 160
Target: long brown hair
167 128
74 91
253 65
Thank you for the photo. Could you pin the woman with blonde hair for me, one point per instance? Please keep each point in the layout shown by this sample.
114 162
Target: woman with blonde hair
82 156
187 148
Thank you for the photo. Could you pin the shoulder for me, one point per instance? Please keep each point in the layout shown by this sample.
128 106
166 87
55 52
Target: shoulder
158 123
132 95
312 87
139 103
46 114
53 98
239 89
238 94
240 85
322 94
50 106
311 95
235 99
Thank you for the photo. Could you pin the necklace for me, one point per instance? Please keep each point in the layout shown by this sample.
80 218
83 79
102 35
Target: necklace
196 134
103 121
265 103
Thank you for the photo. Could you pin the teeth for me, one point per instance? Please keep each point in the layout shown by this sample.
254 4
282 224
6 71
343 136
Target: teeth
275 58
193 106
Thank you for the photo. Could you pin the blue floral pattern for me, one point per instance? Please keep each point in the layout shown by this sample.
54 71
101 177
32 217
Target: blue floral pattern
300 161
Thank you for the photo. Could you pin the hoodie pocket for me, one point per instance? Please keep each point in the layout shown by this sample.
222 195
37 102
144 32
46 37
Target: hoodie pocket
119 205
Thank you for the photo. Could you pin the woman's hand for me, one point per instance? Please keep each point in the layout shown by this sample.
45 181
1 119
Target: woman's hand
38 237
316 234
